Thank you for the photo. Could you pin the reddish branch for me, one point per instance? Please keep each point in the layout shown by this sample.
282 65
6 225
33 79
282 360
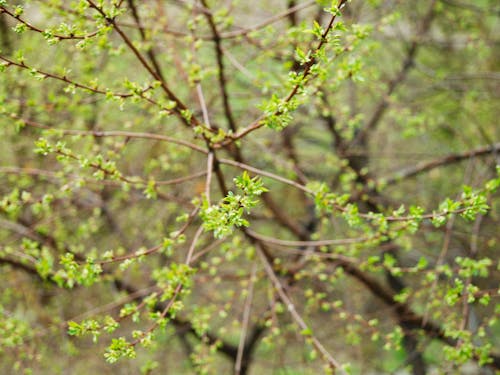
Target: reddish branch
115 133
230 350
150 51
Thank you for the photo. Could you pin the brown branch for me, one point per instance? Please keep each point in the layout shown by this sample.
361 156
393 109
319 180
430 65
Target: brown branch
333 363
150 51
257 124
65 79
408 63
3 9
221 74
223 346
228 34
263 173
287 13
444 161
405 315
180 106
115 133
317 243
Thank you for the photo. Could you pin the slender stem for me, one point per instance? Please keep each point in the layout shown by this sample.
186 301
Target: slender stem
334 364
245 320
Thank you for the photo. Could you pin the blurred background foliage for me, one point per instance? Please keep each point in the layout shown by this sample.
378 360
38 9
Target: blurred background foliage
398 109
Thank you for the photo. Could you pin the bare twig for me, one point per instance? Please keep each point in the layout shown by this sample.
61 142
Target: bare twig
245 320
221 73
443 161
400 77
334 364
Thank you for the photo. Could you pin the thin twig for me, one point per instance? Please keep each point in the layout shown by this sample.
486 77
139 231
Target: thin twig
210 167
180 106
436 163
221 73
258 123
95 90
318 243
334 364
4 9
196 236
245 320
114 133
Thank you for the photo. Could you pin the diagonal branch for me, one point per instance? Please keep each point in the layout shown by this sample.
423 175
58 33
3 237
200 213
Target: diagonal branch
221 68
333 363
400 77
150 51
180 107
444 161
404 313
224 347
307 69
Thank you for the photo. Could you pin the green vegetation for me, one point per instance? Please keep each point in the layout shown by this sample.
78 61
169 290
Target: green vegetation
249 187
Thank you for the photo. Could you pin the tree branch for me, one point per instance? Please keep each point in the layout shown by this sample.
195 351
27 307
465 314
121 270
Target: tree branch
436 163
